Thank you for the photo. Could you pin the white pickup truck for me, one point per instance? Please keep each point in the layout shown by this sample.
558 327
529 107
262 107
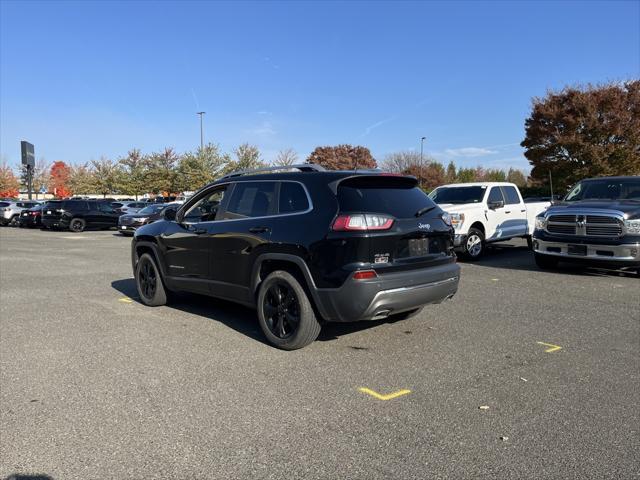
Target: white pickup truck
486 212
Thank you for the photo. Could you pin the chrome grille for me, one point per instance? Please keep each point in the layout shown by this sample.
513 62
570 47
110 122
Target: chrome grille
585 225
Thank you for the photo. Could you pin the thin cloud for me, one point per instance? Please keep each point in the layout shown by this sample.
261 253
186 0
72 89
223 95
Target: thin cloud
265 129
372 127
470 152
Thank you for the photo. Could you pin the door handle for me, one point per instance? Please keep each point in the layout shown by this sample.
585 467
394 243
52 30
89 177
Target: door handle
507 211
522 211
198 231
259 229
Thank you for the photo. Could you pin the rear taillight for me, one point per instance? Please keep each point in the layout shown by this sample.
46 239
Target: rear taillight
364 274
33 214
362 222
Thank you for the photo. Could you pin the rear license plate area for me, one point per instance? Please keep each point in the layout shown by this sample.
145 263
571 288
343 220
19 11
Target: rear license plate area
577 250
418 247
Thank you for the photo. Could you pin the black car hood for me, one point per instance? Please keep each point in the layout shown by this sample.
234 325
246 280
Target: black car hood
629 207
150 216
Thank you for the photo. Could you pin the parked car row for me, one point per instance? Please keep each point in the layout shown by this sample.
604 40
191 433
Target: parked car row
78 215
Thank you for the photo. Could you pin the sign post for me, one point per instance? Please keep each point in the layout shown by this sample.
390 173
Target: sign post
29 160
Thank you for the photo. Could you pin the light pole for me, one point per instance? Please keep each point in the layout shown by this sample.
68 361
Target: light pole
422 139
201 131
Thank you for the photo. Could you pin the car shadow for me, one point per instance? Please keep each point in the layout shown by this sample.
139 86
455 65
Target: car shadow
240 318
517 256
20 476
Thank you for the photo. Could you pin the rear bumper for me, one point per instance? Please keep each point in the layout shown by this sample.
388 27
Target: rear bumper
624 254
55 222
389 294
29 221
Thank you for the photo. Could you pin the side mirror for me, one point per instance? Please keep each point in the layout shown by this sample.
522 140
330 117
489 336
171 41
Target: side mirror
170 214
496 205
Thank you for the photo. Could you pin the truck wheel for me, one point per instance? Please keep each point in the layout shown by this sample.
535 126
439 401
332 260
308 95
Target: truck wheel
474 244
545 262
285 313
148 282
77 225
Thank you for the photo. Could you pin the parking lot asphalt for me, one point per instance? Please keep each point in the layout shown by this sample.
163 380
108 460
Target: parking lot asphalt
95 385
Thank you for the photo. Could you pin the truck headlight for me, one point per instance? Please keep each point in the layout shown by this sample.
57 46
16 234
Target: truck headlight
632 226
446 218
457 219
541 223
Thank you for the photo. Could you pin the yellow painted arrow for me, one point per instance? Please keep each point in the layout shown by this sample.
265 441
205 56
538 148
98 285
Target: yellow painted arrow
552 347
389 396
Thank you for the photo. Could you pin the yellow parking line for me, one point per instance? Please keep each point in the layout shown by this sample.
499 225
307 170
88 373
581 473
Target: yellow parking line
125 300
389 396
552 347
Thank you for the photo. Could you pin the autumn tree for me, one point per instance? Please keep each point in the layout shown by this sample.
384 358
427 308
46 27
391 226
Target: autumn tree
467 175
59 179
196 169
9 183
134 169
81 179
286 158
583 132
495 175
342 157
429 176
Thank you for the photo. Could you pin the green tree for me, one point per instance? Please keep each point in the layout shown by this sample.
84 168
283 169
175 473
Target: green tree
134 173
495 175
584 132
467 175
247 158
162 176
342 157
107 176
517 177
82 180
450 175
196 169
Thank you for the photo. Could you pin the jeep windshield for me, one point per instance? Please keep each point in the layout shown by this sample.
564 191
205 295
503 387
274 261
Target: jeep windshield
458 195
605 189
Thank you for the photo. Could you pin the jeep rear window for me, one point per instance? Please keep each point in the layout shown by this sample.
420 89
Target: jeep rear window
400 199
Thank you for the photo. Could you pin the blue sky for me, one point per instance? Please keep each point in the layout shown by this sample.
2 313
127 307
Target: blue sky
82 80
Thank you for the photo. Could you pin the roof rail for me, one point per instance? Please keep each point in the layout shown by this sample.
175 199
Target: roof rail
302 167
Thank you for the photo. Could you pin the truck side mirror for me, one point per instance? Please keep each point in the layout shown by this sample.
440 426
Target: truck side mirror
495 205
169 214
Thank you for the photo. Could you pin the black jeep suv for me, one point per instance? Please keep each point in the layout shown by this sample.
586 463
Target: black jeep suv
77 215
303 248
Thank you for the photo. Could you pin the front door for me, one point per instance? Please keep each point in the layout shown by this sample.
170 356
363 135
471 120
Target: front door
496 217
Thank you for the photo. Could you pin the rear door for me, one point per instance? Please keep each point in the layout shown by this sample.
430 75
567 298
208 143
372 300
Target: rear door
404 229
515 212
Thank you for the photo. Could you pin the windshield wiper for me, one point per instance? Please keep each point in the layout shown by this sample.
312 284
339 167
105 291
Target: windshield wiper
424 210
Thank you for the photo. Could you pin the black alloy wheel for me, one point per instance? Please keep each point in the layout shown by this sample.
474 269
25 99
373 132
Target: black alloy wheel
148 279
281 310
77 225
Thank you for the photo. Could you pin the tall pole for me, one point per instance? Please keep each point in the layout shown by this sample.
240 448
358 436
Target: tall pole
422 139
201 131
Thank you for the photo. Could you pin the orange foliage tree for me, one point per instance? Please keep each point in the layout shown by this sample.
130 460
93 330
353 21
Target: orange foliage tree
9 184
59 179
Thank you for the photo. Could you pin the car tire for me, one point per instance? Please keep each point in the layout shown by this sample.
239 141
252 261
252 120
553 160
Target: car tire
473 244
77 225
14 221
149 282
546 262
529 240
285 313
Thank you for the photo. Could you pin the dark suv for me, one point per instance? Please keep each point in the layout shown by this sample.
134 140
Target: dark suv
303 248
77 215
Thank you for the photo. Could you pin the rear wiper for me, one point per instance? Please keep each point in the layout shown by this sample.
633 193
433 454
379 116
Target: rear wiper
424 210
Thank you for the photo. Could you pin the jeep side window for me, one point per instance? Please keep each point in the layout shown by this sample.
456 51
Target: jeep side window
206 209
495 195
292 198
252 199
